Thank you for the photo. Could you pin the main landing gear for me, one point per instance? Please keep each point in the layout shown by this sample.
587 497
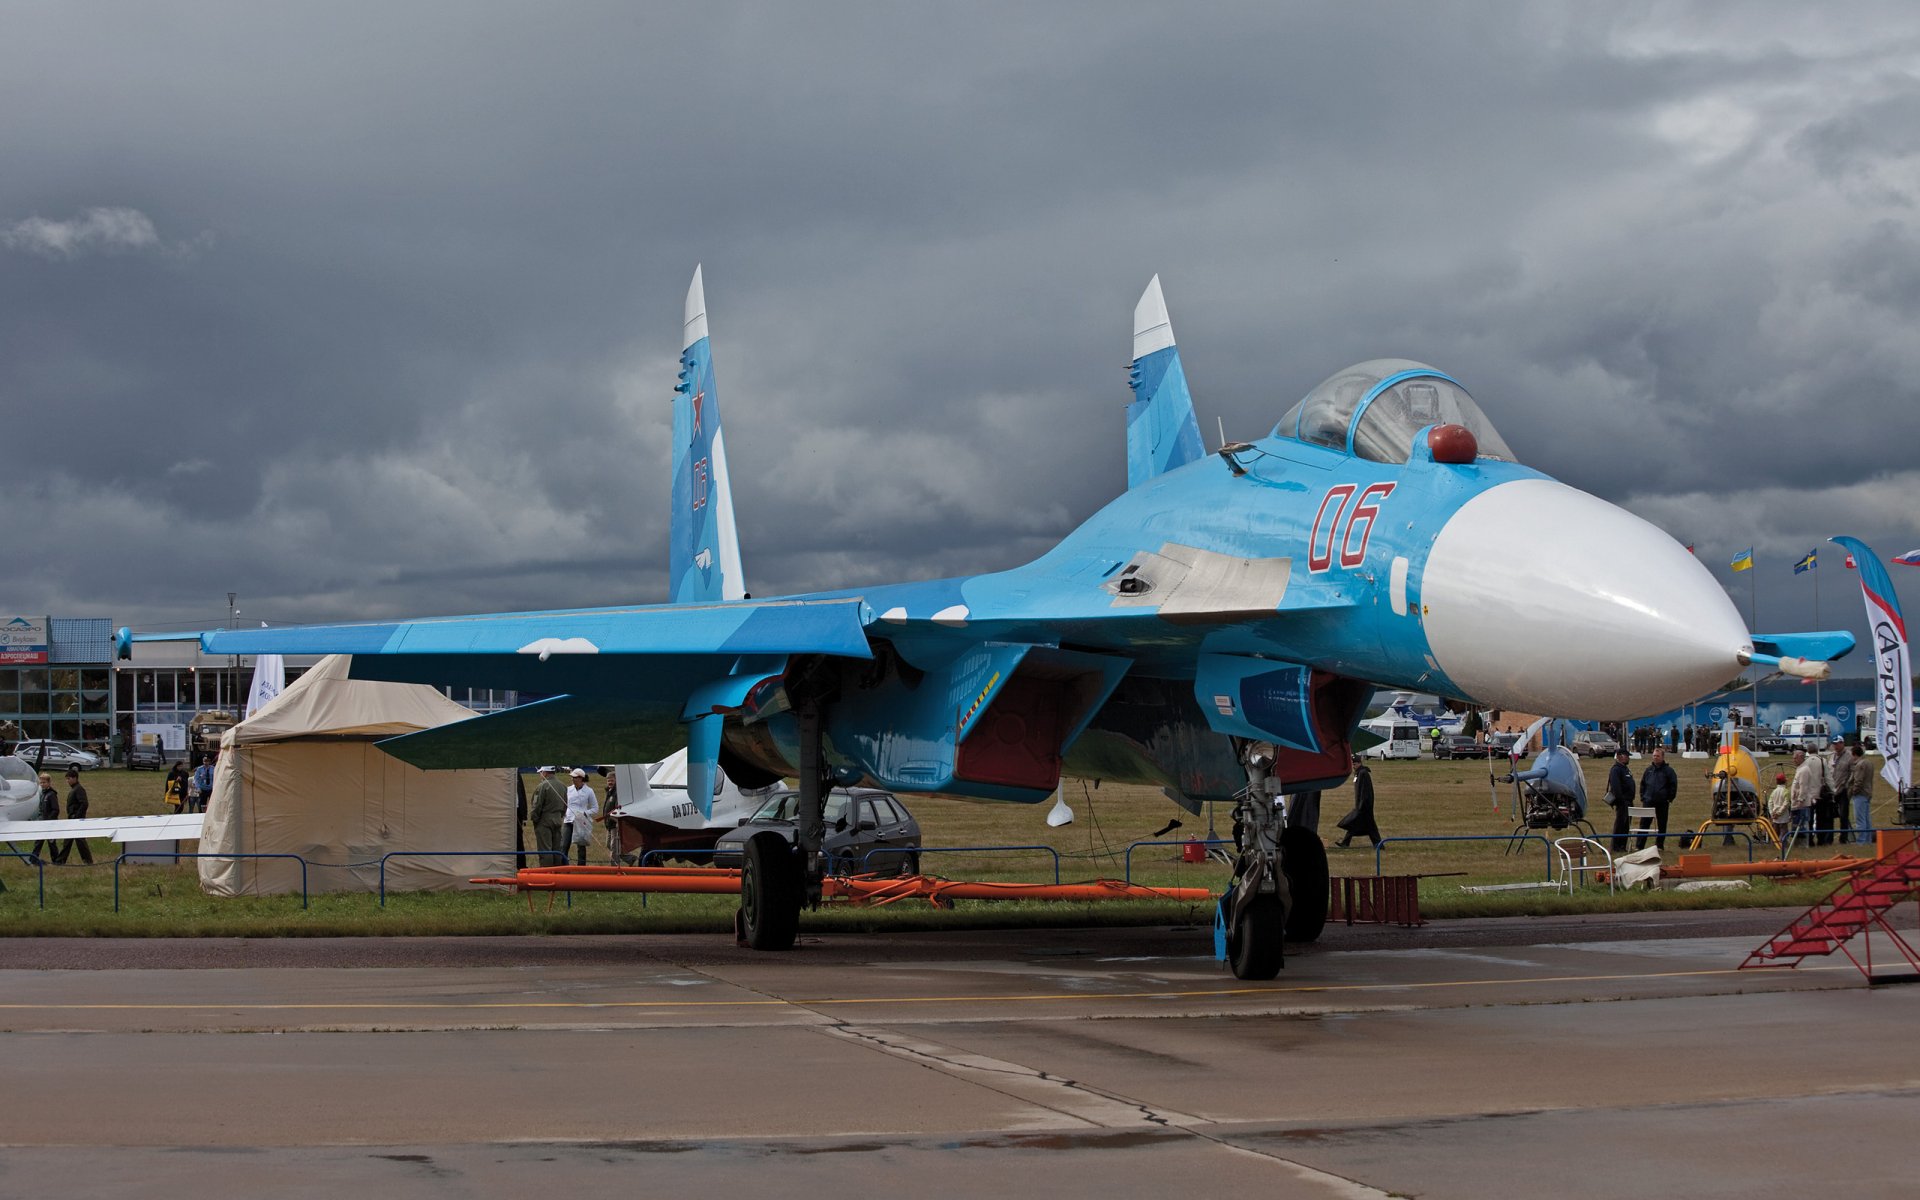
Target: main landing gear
781 877
1280 885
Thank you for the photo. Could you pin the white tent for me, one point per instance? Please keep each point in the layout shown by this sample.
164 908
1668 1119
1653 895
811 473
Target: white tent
302 776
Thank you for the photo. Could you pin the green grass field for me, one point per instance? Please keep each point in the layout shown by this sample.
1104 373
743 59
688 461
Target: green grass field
1414 799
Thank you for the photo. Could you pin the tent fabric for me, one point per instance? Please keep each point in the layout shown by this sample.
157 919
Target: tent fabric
303 777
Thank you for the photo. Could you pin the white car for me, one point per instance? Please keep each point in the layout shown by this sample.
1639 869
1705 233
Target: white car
57 754
19 790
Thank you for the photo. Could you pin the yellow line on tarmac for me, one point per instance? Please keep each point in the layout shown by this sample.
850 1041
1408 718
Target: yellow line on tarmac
1008 998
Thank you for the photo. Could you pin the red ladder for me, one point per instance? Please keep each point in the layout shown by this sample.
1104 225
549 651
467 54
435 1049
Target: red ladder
1860 904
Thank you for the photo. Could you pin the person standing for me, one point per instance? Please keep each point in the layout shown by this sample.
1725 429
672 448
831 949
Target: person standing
1359 820
76 811
1833 782
1860 778
582 807
1779 803
1807 776
49 811
549 814
203 783
1620 793
1658 785
174 791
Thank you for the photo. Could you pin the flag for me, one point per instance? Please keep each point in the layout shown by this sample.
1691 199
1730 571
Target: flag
1743 561
1887 643
1808 563
269 680
1910 559
1851 565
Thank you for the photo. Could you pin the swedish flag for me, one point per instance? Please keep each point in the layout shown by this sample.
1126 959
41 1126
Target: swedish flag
1806 564
1743 561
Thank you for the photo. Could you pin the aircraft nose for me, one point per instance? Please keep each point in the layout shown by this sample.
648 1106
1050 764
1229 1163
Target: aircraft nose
1540 598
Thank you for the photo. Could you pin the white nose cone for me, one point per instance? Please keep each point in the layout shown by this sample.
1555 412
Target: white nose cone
1541 598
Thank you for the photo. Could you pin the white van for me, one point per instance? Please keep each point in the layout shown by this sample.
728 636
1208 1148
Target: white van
1400 737
1804 733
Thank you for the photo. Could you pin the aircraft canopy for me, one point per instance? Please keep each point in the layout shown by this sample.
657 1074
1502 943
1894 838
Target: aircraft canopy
1373 409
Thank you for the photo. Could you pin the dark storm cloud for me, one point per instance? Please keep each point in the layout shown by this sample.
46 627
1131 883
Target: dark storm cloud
361 310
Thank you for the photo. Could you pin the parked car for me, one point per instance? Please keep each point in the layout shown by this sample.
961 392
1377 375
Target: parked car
146 756
860 822
56 754
1502 743
1455 745
1594 743
19 790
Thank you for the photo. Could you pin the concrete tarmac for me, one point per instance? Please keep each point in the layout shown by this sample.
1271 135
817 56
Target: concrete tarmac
1573 1056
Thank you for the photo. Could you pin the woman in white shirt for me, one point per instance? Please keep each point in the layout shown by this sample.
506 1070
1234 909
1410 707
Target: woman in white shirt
582 808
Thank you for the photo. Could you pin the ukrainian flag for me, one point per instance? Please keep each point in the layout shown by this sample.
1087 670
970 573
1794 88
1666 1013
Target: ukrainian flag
1808 563
1743 561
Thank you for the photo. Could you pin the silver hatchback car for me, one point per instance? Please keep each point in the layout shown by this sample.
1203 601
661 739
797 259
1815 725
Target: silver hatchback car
56 754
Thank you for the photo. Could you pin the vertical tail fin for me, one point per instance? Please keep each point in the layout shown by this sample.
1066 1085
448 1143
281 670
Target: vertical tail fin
703 549
1161 431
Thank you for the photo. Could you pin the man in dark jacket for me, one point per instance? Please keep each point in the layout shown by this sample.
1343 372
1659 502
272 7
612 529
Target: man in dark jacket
49 811
1658 785
549 813
76 811
1620 792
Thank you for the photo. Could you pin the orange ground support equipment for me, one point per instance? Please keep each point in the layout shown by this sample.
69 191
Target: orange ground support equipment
859 889
1859 906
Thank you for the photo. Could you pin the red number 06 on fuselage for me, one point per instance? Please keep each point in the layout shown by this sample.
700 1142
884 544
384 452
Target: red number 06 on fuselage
1350 538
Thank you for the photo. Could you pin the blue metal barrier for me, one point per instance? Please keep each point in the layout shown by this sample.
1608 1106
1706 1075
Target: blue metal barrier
1508 838
463 854
38 864
1131 846
179 854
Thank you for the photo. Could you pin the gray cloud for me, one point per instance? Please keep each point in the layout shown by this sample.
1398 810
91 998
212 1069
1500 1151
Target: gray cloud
416 356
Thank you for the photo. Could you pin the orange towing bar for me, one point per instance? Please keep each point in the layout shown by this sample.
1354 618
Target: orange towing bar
1700 866
859 889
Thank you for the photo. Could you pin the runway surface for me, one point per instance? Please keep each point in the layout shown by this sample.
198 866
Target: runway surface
1577 1056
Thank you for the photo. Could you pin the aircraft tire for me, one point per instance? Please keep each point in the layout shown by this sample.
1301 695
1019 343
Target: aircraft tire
1254 947
1303 858
770 893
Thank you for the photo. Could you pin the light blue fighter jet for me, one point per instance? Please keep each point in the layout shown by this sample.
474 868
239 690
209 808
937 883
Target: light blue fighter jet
1215 631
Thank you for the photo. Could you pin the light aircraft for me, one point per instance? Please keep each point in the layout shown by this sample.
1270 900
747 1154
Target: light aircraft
658 812
1216 631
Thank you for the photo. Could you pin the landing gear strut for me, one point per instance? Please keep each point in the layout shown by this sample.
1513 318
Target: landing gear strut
1256 916
780 878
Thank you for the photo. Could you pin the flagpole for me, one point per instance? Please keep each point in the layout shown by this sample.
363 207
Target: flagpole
1817 711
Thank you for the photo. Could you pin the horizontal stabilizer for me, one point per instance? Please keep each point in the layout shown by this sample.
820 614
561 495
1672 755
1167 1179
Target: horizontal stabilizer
568 729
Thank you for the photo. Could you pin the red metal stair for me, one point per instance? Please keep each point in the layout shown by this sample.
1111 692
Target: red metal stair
1859 905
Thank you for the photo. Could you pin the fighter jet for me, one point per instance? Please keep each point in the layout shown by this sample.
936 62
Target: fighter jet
1215 631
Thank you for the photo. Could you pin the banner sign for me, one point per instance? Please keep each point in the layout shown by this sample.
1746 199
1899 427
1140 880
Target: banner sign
1893 670
23 640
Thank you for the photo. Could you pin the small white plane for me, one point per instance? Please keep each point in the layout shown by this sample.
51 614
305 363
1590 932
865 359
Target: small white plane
656 812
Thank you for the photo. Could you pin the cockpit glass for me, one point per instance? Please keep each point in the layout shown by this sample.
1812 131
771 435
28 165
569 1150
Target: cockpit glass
1390 419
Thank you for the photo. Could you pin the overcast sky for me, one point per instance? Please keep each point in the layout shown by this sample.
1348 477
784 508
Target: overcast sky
374 310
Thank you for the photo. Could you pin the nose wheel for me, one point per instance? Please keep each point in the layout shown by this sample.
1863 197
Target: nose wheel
1261 896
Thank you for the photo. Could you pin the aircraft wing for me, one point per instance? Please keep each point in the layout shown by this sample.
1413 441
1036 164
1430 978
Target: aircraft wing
623 680
747 627
165 827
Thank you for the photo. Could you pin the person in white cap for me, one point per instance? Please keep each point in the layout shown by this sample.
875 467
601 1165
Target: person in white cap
549 814
583 807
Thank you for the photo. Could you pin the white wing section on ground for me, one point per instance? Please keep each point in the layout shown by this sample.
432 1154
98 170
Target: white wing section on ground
164 827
